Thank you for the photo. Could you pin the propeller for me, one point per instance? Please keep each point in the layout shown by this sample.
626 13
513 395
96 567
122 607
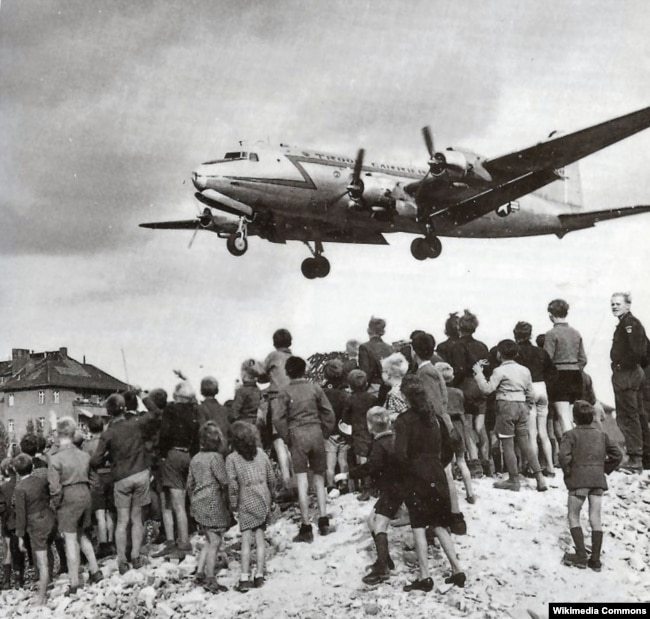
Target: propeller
437 162
355 187
203 220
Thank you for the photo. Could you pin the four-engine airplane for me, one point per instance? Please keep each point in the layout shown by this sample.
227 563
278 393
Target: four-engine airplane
291 194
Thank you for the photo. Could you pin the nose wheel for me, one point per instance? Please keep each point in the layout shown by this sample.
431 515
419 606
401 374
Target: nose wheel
317 266
237 242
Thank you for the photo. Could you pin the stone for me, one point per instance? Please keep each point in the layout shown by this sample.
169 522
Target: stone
371 609
147 595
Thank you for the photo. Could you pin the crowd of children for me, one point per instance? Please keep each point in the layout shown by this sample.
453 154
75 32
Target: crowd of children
397 423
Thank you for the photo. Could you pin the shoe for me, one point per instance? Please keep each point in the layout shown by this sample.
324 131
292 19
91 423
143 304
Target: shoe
139 562
95 577
221 562
548 473
471 499
457 579
645 463
507 484
323 525
574 560
70 591
364 496
594 564
541 487
376 576
334 493
475 469
425 584
123 567
104 550
458 526
168 549
258 582
305 534
243 586
214 587
183 549
200 579
487 467
634 464
374 566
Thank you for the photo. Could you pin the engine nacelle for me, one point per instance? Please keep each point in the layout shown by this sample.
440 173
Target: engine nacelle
205 218
465 165
378 191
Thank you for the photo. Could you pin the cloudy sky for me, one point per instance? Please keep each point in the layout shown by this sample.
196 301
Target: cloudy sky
106 106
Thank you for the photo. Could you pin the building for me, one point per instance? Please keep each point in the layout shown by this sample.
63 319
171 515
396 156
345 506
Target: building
33 386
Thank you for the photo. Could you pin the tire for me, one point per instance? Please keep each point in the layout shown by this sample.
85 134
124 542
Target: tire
420 249
309 268
434 247
322 266
237 244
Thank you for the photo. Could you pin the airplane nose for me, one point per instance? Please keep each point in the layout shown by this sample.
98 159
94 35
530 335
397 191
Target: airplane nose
199 180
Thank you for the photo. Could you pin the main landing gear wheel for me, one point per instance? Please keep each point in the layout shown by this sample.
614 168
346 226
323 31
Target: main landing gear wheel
237 244
423 248
313 268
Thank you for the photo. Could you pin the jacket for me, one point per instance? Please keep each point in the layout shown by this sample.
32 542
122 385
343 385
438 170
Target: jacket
629 346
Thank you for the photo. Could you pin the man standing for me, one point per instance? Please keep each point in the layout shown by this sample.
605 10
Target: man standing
629 352
372 352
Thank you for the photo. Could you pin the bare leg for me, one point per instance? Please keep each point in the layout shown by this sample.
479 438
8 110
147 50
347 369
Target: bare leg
178 506
509 457
260 547
89 552
44 576
453 493
574 507
470 434
246 540
448 547
283 460
331 465
167 515
421 549
137 530
321 494
545 442
532 431
563 410
466 475
303 499
123 514
102 529
201 561
72 555
595 503
212 546
483 441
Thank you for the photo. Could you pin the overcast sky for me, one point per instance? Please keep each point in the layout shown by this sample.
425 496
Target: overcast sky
107 106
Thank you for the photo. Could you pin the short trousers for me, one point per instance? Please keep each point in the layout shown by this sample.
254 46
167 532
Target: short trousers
512 419
335 445
540 407
307 449
585 492
74 513
203 530
40 526
361 445
174 469
389 502
132 491
427 509
101 497
567 388
475 400
459 425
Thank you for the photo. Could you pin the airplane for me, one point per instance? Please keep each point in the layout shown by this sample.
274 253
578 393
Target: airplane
293 194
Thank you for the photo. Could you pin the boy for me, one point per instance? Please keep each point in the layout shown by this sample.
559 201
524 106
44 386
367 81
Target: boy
304 418
514 397
383 467
586 455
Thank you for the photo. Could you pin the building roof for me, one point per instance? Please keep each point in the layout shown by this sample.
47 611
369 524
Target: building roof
56 369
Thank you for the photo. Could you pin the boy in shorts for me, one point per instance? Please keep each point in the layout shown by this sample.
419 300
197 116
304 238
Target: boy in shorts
304 418
586 455
513 385
384 468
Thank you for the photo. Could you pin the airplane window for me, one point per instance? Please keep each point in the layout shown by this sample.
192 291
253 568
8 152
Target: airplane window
235 156
253 157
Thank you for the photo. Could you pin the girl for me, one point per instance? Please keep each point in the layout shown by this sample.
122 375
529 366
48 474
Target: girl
250 483
394 368
206 486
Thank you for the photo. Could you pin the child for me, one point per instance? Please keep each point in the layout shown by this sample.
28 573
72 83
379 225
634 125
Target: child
336 446
394 368
101 493
586 455
69 478
207 484
250 487
456 410
212 410
248 396
361 401
304 418
514 397
33 516
12 556
383 467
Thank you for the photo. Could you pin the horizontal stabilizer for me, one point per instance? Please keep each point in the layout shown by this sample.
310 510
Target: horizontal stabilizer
577 221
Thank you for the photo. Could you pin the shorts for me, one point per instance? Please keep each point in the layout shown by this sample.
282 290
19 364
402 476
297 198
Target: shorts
475 399
40 527
101 497
389 501
203 530
459 425
567 388
585 492
336 445
74 513
540 407
512 419
307 449
427 508
174 469
132 491
361 444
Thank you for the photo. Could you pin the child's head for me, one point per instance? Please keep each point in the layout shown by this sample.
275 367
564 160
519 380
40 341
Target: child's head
467 323
22 464
507 350
558 308
131 400
251 370
333 372
358 380
244 439
378 420
352 348
451 325
376 327
158 397
522 331
295 367
6 467
115 404
95 424
423 345
282 339
446 371
540 339
210 437
66 427
29 444
583 413
394 368
183 393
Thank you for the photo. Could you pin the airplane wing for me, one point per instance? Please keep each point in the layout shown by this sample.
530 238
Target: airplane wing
186 224
519 173
577 221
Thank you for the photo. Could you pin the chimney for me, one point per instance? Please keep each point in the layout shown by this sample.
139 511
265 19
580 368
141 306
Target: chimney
18 354
63 351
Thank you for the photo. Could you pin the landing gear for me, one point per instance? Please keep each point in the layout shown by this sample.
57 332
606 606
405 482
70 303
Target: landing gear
423 248
317 266
237 242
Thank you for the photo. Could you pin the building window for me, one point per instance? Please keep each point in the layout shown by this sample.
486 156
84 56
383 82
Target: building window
11 425
2 380
11 399
56 396
41 423
41 397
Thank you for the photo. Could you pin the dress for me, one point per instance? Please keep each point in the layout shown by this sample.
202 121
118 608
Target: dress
249 487
207 484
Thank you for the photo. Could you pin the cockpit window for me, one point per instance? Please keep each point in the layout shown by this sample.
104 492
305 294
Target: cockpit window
239 155
253 157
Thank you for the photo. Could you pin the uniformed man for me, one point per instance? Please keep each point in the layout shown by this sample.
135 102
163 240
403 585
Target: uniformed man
629 352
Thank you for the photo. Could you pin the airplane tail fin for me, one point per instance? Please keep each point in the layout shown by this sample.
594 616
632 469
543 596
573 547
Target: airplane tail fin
567 191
